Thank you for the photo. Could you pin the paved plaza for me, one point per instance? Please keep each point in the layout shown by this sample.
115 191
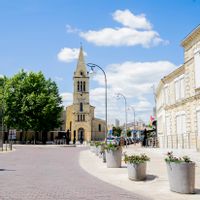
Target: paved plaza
52 172
156 186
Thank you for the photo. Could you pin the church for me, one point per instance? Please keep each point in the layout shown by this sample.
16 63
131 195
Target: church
81 123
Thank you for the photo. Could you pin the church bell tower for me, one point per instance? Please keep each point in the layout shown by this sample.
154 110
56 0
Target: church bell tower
81 90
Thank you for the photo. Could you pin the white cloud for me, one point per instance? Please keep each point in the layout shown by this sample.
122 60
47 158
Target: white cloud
136 30
67 98
134 80
70 29
127 18
69 54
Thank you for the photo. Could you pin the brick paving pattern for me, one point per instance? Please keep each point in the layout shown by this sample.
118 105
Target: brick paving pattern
52 173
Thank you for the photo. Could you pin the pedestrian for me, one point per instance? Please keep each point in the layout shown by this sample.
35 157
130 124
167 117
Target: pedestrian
144 143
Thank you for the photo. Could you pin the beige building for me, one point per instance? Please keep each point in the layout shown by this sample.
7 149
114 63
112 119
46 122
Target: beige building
80 120
178 100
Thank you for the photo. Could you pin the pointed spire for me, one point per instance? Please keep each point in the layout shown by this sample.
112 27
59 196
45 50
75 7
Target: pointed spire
81 62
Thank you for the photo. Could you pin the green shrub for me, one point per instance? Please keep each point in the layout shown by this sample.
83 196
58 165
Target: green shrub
111 147
136 159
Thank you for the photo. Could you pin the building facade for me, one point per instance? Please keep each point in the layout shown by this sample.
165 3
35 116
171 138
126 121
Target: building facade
178 100
80 120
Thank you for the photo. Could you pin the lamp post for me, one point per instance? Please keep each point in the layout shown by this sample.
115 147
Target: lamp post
125 104
92 66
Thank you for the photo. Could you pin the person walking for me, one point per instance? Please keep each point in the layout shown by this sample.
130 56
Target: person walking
144 143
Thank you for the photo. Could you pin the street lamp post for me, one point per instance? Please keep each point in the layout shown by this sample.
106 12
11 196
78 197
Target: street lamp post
125 103
92 66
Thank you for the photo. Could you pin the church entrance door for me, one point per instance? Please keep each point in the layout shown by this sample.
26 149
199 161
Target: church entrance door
81 135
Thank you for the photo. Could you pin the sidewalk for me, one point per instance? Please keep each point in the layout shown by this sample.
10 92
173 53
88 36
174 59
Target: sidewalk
156 186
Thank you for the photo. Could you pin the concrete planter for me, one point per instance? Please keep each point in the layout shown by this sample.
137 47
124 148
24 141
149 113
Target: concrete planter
181 177
92 149
137 172
104 156
96 151
114 158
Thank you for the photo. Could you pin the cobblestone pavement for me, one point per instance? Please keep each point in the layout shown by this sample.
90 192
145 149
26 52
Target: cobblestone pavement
51 173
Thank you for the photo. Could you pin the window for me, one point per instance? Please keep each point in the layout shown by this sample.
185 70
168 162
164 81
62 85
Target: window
167 123
83 117
78 88
78 118
81 107
81 86
81 73
197 67
180 87
180 124
198 122
84 86
99 127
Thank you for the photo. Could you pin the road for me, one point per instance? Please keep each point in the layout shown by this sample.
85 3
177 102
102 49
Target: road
52 173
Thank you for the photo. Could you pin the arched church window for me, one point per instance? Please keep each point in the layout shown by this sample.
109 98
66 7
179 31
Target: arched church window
81 73
99 127
81 86
81 107
84 86
78 88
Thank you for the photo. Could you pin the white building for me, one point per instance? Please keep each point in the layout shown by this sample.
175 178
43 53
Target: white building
178 100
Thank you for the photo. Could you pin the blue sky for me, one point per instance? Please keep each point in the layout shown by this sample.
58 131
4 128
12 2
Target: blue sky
33 33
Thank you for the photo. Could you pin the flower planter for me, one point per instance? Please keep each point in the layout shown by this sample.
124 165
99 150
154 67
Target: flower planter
92 149
137 171
181 177
104 156
114 158
96 151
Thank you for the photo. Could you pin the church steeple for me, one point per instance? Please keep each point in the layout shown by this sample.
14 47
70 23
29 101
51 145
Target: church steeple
81 81
81 64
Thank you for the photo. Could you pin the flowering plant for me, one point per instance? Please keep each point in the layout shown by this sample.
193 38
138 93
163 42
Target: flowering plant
136 159
172 158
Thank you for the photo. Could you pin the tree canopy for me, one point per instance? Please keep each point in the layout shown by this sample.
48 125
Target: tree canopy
32 102
117 131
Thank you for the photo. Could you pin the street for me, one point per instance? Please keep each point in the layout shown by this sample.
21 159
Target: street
51 173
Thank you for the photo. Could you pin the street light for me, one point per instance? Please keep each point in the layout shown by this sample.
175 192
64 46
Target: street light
92 66
125 103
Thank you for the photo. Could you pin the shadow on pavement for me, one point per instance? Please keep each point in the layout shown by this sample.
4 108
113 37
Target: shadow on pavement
7 170
150 177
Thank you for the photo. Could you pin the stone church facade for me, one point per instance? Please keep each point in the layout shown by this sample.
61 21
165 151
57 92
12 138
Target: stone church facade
178 100
81 123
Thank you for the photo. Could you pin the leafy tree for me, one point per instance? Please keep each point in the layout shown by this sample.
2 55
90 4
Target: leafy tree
2 85
32 103
117 131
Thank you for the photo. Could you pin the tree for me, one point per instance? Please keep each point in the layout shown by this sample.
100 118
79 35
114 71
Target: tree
32 103
117 131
